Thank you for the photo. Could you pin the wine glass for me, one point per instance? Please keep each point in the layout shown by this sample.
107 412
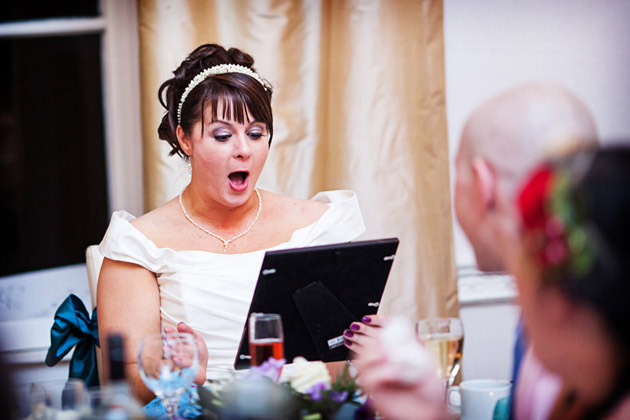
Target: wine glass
444 338
266 338
168 364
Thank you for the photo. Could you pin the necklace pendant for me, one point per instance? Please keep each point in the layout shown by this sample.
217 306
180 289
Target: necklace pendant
226 242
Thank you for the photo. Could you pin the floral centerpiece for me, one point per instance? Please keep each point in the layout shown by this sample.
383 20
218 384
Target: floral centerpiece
308 394
319 397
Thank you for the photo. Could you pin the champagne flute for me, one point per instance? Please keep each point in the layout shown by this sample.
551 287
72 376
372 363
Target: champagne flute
266 338
168 364
444 338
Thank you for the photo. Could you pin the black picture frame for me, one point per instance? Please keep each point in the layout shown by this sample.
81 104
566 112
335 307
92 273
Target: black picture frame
318 291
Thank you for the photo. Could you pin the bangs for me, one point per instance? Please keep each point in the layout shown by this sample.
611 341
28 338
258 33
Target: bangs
231 97
234 104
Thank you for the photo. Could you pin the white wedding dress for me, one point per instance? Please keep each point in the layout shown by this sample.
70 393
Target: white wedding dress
212 292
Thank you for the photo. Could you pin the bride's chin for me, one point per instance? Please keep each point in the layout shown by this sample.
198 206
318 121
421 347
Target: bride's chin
236 200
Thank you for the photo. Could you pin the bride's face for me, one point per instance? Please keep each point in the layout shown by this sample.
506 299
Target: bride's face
227 157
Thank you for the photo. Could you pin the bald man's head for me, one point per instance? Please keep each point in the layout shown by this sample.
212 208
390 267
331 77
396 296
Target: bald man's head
517 129
502 141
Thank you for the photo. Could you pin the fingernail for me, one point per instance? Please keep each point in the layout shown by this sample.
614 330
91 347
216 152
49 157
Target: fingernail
354 327
347 343
348 333
366 319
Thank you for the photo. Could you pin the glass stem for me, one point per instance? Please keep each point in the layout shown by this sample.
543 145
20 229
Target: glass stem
171 405
446 385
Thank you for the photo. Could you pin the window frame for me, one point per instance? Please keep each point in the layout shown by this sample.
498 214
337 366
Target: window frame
118 26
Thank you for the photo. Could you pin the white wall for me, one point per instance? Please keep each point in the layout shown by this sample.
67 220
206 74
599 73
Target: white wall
492 45
489 340
489 315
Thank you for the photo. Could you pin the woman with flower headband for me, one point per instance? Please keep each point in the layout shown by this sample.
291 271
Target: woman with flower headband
192 264
572 266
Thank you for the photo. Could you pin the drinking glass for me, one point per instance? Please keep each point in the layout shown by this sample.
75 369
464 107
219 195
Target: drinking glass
74 395
266 338
444 338
47 398
168 364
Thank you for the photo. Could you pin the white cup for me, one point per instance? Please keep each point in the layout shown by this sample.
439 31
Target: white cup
478 397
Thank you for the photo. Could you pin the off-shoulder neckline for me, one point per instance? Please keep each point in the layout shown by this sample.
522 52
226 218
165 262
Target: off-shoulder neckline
126 217
338 202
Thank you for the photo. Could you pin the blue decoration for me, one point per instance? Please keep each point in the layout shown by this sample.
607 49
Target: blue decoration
189 407
73 327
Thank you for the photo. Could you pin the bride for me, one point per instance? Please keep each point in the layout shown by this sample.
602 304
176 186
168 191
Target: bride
192 264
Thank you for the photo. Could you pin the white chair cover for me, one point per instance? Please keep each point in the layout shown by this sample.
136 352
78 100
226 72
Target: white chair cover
93 262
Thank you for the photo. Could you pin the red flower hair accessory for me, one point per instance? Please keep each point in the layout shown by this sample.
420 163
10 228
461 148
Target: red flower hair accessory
553 231
531 200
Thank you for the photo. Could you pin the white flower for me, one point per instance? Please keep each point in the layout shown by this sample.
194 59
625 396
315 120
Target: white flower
305 374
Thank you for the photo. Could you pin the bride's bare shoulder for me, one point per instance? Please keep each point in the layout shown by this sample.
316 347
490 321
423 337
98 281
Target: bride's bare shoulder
159 222
294 210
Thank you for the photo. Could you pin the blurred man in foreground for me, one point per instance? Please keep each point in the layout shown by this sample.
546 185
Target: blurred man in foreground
502 141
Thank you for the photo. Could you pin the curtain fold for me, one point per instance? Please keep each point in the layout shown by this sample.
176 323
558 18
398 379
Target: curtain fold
359 104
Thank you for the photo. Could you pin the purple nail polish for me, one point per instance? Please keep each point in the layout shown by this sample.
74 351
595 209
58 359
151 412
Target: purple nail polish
366 319
347 343
354 327
348 333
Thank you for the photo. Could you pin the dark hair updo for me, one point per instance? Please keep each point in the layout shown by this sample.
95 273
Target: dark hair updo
237 92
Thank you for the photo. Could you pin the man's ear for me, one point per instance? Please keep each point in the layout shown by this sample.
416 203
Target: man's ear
485 183
183 139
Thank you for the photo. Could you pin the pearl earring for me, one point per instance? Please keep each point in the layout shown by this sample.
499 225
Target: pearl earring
189 166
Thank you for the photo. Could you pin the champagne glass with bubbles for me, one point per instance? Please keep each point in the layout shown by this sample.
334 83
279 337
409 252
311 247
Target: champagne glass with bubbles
168 364
266 338
444 339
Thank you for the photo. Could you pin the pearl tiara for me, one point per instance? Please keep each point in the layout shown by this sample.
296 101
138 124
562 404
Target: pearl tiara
214 70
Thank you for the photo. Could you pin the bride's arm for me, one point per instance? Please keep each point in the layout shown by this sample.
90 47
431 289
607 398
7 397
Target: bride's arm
128 303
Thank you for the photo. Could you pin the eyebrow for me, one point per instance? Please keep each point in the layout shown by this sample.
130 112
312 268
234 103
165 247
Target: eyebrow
230 123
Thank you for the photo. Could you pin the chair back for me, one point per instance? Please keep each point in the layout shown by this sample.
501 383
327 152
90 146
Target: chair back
93 262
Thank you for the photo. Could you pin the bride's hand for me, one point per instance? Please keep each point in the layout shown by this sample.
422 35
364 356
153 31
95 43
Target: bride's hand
361 335
202 350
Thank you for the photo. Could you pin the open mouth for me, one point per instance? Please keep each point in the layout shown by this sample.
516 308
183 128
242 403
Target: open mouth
239 179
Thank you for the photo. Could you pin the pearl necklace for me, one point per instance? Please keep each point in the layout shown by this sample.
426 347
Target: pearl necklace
226 242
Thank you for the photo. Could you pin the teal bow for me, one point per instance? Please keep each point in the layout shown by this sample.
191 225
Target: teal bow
73 327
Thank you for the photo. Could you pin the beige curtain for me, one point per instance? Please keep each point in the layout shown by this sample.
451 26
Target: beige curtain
358 104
